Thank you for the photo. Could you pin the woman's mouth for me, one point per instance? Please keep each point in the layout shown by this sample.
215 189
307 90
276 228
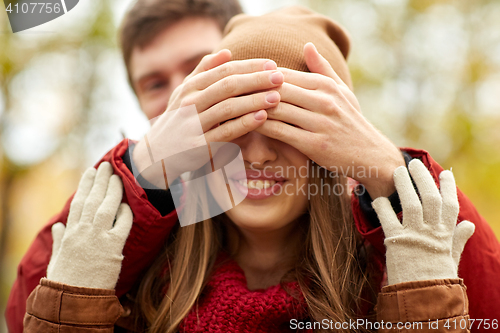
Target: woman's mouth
258 185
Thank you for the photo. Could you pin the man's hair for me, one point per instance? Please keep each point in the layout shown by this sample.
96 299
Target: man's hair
147 18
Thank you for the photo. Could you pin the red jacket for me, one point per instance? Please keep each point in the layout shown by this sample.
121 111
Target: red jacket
479 267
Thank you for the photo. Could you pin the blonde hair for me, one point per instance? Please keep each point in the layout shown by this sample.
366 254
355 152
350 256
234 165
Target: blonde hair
331 270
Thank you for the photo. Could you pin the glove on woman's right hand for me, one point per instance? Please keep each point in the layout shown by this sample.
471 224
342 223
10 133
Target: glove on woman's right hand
88 251
428 244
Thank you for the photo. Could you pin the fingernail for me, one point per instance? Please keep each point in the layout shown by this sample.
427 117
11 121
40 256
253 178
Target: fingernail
272 97
276 78
270 65
260 115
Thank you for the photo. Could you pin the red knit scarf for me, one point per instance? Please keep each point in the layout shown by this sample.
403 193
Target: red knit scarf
226 304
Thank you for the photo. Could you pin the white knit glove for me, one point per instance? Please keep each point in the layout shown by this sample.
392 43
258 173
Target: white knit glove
88 251
428 244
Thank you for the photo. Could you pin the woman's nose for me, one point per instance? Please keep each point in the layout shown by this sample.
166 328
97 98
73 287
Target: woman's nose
257 149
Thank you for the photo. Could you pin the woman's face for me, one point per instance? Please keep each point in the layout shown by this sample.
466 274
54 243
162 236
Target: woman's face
277 184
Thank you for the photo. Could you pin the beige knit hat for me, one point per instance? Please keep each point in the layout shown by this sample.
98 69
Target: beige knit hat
281 36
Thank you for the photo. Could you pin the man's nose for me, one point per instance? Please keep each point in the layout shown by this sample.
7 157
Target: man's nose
176 79
257 149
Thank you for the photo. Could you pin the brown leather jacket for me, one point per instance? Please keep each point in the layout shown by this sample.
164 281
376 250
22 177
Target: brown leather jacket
435 306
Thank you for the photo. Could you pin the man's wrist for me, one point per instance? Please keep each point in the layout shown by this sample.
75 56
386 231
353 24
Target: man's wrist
161 199
153 172
382 185
140 156
365 201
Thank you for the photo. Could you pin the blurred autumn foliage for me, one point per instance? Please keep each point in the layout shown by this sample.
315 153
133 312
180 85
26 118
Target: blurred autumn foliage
426 73
52 95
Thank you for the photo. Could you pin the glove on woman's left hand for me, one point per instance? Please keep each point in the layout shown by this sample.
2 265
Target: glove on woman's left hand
88 251
428 244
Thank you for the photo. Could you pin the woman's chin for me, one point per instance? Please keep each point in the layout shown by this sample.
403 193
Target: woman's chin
259 218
